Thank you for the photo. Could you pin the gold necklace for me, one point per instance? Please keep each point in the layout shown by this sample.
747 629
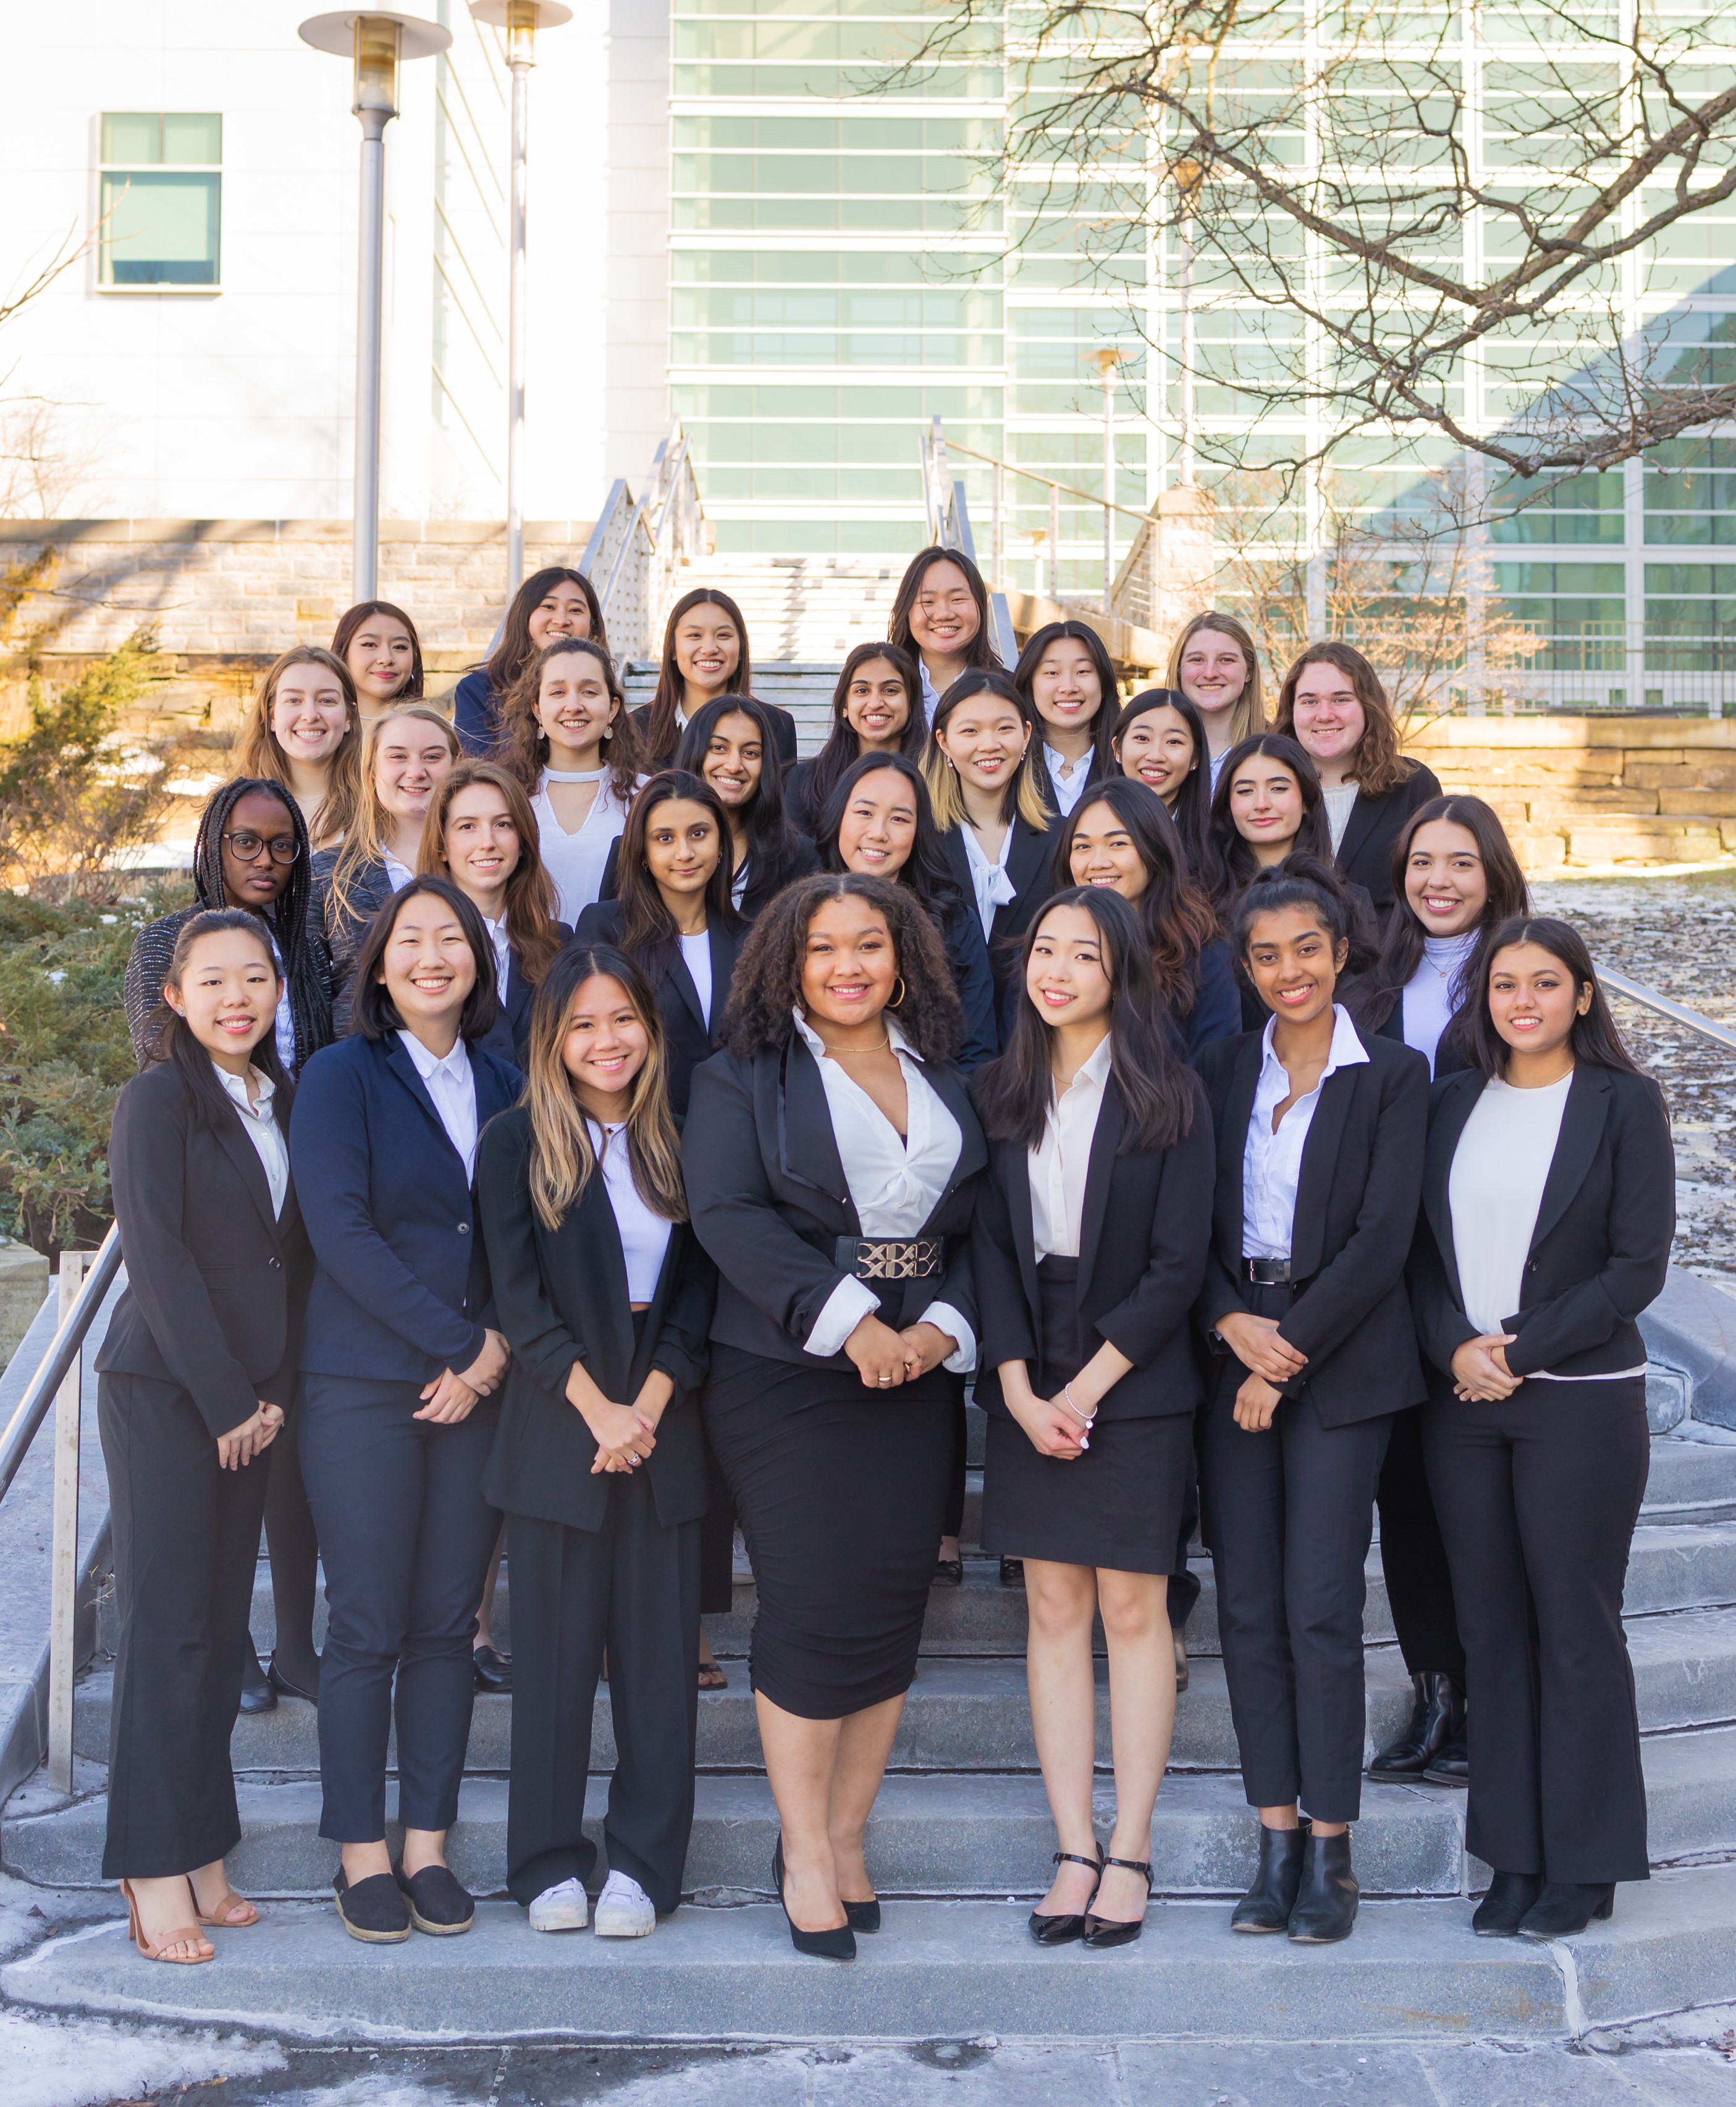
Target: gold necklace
855 1053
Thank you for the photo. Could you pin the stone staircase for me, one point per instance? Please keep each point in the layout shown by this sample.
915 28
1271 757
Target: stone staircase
959 1843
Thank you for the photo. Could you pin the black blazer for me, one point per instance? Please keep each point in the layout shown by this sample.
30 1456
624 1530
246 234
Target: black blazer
215 1282
764 1175
1449 1058
1356 1212
1028 860
509 1035
688 1037
561 1296
783 732
1137 1285
1365 853
1601 1247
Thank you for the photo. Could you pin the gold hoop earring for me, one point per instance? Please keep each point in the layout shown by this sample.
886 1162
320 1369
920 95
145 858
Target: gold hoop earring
899 997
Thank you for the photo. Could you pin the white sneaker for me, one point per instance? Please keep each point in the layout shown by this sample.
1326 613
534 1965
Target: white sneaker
561 1908
624 1910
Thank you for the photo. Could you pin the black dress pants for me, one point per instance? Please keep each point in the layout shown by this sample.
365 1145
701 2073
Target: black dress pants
633 1588
294 1558
186 1537
1289 1515
1419 1585
1538 1496
406 1536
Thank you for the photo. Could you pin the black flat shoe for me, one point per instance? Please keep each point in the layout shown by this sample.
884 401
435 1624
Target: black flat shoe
256 1694
1327 1898
1511 1895
493 1670
864 1917
1012 1572
285 1687
373 1910
838 1944
1452 1766
1267 1904
1102 1931
1063 1930
1565 1907
440 1904
1436 1719
948 1573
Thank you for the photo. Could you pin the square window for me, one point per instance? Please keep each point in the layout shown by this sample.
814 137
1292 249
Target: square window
161 199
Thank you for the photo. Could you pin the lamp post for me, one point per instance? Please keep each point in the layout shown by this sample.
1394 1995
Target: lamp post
1108 359
374 42
521 20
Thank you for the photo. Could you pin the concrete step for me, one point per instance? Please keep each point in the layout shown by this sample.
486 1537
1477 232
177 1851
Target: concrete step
1412 1970
1691 1480
802 687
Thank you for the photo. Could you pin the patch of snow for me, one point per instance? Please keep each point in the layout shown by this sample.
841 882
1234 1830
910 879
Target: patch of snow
78 2062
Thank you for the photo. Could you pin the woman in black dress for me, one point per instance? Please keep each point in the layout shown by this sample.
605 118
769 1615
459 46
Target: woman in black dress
832 1162
1095 1124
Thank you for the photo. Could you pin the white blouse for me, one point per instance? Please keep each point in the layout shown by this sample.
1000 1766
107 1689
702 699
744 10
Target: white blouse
1339 802
1068 790
696 957
260 1120
576 861
645 1237
989 881
1060 1160
1271 1163
1428 997
894 1184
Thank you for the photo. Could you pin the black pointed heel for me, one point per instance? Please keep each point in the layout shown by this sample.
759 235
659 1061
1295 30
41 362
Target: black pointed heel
1267 1904
838 1944
864 1917
1102 1931
1062 1930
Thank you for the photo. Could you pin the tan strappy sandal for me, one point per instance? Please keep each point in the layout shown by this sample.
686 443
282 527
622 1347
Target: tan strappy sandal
185 1933
217 1921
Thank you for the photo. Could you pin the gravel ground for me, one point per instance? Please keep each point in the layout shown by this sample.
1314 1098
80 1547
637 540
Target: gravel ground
1677 935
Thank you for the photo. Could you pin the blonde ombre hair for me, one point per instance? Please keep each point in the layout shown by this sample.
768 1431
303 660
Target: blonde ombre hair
1247 712
372 827
1022 796
562 1160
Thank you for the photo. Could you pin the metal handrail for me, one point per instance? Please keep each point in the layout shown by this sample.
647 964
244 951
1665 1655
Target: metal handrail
56 1363
1677 1012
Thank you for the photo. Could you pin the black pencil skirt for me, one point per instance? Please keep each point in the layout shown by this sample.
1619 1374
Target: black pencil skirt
841 1491
1119 1505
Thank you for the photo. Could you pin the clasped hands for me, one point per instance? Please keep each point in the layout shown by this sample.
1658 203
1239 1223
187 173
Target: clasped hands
451 1397
1480 1375
886 1358
242 1444
1269 1360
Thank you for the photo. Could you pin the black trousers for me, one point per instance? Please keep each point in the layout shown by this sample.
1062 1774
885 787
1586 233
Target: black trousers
1419 1585
406 1536
1289 1515
1538 1496
294 1546
633 1588
186 1536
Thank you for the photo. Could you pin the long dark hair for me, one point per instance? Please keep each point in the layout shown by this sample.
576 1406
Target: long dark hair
286 918
172 1037
1024 679
773 843
515 651
1305 880
1192 809
926 871
522 745
373 1013
364 610
1022 795
1402 948
1176 916
659 737
647 924
979 651
1593 1038
1237 865
841 746
767 990
1013 1093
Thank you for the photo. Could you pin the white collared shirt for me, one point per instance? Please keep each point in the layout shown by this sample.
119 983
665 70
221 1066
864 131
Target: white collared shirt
990 881
283 1024
1271 1163
894 1184
260 1120
1060 1160
453 1087
1068 790
398 874
645 1237
930 693
696 957
503 953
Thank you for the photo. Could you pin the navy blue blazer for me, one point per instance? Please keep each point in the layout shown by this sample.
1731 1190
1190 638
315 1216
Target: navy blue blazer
1029 858
401 1283
509 1035
476 714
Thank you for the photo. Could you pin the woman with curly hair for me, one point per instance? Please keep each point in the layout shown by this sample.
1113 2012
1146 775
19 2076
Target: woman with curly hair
550 603
832 1161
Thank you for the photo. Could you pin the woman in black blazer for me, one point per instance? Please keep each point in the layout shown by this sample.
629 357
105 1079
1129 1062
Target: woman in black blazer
1068 683
1549 1205
400 1361
731 744
876 708
1332 703
1320 1161
606 1299
832 1159
1093 1119
195 1375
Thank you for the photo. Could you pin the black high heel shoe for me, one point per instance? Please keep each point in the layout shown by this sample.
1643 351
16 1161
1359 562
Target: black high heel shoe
1102 1931
1565 1907
285 1687
257 1693
1062 1930
864 1917
835 1945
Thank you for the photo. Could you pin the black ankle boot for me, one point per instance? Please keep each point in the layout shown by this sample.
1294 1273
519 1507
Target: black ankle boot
1564 1908
1267 1904
1511 1895
1436 1718
1326 1901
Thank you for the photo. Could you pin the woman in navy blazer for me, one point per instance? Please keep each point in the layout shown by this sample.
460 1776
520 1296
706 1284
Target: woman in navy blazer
1319 1135
400 1359
1554 1152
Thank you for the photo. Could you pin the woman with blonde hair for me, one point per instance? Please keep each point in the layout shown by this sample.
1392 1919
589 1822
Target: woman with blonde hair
1215 665
303 731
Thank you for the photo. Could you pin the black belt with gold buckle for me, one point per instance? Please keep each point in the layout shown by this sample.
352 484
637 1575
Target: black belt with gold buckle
891 1258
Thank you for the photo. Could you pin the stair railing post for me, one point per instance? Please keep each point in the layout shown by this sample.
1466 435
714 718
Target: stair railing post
63 1613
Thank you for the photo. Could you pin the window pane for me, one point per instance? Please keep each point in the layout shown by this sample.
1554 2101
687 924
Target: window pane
132 136
160 230
196 140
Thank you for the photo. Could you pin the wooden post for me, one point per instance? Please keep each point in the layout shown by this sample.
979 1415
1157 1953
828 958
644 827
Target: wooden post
63 1614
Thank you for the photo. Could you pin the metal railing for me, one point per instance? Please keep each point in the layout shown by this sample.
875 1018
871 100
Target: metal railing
1676 1012
639 547
85 1279
949 527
